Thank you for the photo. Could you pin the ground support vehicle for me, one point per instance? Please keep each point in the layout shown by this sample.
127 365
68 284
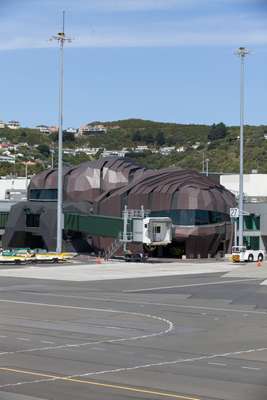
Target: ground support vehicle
31 256
242 254
41 255
16 256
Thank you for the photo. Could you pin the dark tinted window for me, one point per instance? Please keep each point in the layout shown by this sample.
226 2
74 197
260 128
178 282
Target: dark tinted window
33 220
193 217
43 194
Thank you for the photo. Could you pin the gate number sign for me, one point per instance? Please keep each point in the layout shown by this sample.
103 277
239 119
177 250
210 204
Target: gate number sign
234 212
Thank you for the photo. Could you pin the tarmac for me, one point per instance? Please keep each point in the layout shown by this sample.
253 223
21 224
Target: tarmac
81 272
188 332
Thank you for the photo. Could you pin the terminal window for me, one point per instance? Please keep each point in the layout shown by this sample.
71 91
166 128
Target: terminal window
33 220
252 242
251 222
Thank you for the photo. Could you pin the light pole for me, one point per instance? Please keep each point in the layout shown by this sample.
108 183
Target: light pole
61 38
207 166
241 52
26 176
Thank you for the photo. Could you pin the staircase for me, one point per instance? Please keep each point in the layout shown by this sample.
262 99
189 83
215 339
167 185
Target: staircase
114 247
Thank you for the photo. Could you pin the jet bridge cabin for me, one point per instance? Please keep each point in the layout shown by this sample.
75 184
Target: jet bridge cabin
152 231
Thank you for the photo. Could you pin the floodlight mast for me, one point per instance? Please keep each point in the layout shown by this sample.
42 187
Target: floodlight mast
61 38
242 52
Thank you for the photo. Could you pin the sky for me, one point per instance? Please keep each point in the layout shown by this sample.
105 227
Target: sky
164 60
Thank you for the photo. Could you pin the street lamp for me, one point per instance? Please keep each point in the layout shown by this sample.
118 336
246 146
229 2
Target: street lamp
61 38
241 52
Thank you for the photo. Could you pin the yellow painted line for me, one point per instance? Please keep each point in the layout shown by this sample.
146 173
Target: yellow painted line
105 385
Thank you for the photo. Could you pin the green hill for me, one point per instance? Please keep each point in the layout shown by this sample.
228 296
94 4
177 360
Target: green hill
218 143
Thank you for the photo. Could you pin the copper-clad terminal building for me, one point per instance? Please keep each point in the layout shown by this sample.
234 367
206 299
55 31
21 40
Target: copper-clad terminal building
198 207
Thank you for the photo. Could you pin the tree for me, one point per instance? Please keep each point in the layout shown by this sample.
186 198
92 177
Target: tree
68 136
160 138
148 138
44 149
136 136
217 131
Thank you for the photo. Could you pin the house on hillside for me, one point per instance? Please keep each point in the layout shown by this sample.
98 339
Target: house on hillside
92 129
43 128
13 124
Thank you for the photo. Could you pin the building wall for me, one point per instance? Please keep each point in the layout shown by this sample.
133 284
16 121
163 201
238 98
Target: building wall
255 185
12 183
260 210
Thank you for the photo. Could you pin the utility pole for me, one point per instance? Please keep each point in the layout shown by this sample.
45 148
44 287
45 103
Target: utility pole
241 53
61 38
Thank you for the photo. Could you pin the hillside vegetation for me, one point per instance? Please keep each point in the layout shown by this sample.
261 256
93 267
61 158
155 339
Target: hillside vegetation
218 143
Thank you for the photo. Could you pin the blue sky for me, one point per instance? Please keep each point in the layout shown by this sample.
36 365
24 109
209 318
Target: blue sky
165 60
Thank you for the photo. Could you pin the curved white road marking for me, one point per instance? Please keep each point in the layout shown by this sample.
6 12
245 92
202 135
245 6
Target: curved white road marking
168 329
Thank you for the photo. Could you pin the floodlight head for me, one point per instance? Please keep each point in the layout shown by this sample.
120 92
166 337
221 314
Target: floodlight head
242 52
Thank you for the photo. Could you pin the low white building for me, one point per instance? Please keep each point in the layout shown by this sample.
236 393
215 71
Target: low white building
92 129
13 124
165 151
115 153
71 130
7 159
90 151
43 128
180 149
2 125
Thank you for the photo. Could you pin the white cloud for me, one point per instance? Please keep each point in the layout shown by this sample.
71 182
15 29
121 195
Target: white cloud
179 29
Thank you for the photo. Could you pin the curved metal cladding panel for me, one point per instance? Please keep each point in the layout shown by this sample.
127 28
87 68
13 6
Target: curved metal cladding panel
89 179
47 179
168 189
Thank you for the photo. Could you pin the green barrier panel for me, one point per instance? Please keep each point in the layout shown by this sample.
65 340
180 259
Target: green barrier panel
3 219
95 225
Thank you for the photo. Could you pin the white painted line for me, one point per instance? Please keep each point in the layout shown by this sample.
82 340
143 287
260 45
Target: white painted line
219 364
23 338
47 342
191 285
136 367
113 327
2 336
252 368
111 300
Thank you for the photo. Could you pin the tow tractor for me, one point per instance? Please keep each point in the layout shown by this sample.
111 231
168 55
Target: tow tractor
242 254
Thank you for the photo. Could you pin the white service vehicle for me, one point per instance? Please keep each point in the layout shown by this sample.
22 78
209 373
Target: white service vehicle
242 254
